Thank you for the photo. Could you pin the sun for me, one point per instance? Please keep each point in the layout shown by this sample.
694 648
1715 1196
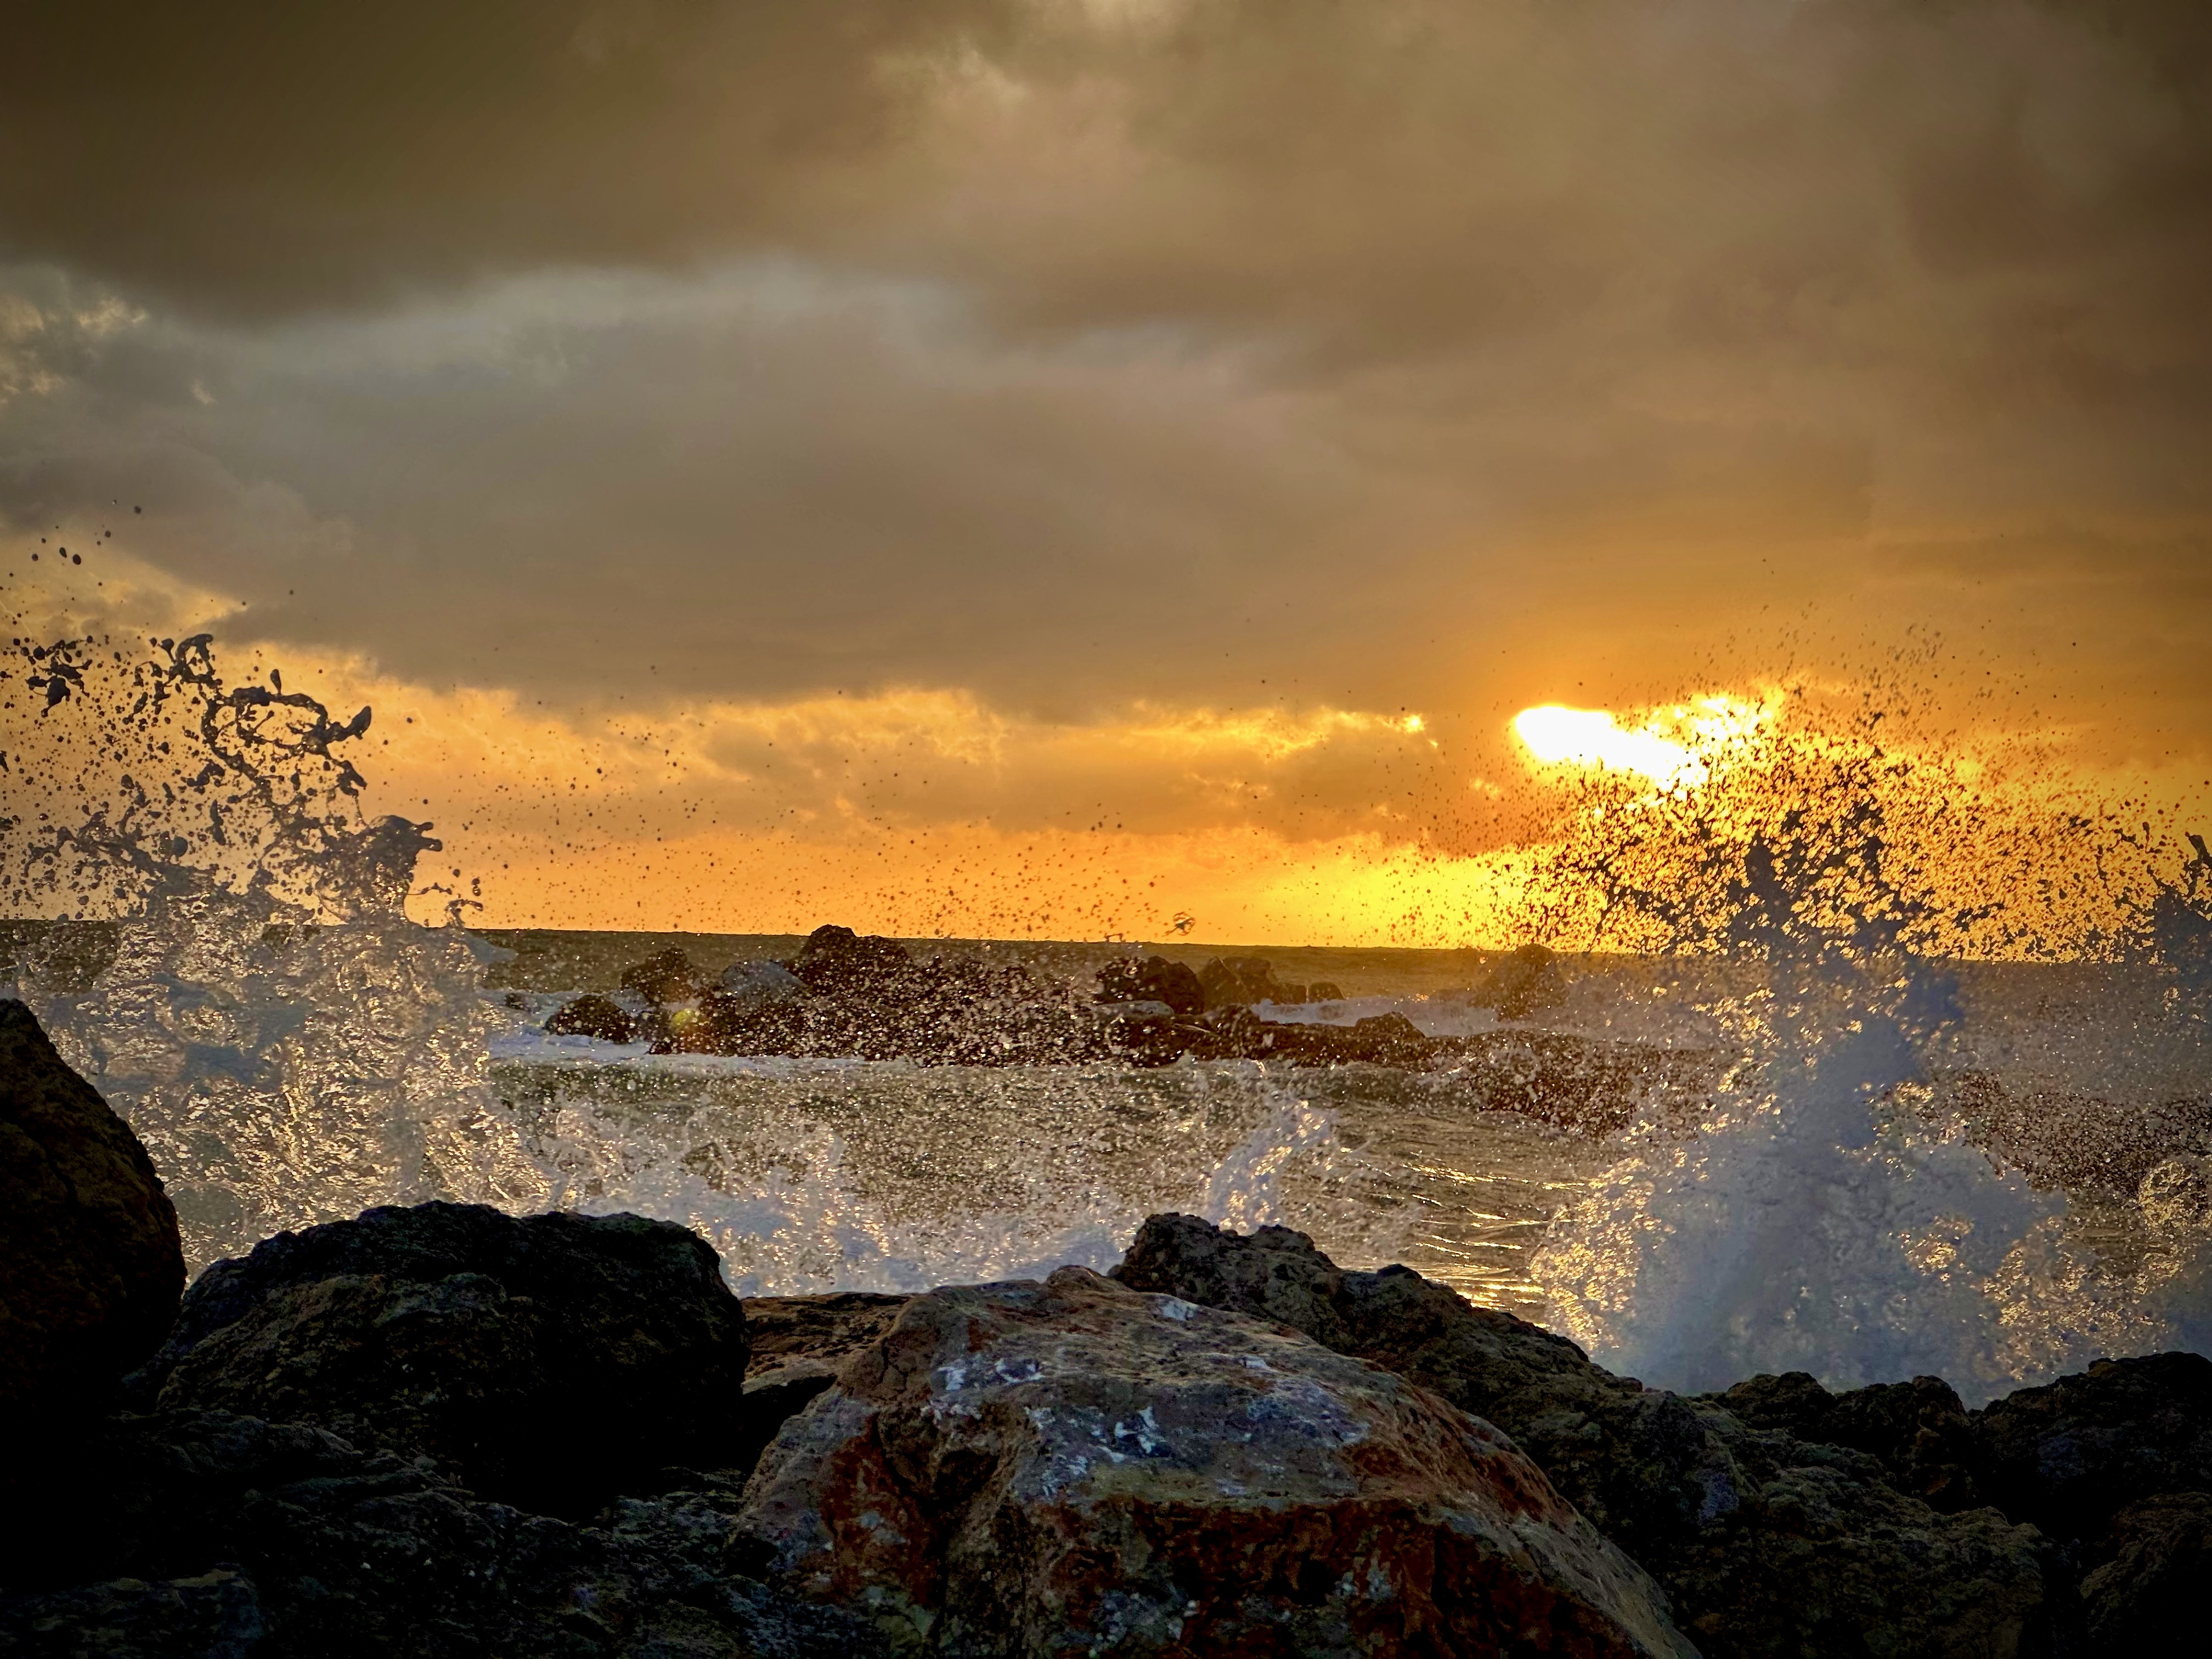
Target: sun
1673 746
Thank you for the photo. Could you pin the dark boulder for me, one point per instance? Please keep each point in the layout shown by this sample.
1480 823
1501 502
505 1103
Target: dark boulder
669 977
212 1534
1766 1544
1324 990
835 961
2147 1594
1522 984
783 1329
549 1361
1155 979
1234 981
90 1265
1918 1430
592 1016
2069 1455
753 983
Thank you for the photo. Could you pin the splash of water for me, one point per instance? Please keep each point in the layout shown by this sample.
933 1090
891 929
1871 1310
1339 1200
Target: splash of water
1813 1222
290 1048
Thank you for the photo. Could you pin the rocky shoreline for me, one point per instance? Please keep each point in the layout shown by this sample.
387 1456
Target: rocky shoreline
440 1429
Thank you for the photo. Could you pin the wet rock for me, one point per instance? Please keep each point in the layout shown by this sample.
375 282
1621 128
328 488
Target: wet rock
2076 1141
1324 990
1523 984
1918 1430
1070 1467
592 1016
549 1360
753 983
183 1531
1155 979
90 1265
826 1327
669 977
1766 1544
1233 982
2147 1595
1590 1087
2068 1455
836 961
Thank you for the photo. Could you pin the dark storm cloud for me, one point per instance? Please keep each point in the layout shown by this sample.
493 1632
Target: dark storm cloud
1229 350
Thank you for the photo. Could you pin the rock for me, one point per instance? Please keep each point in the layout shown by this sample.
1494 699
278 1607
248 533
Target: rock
2070 1454
1234 981
90 1265
549 1361
592 1016
753 983
1324 990
836 961
1153 980
2077 1141
669 977
215 1615
1764 1543
1918 1430
2149 1595
184 1530
825 1327
1071 1468
1524 984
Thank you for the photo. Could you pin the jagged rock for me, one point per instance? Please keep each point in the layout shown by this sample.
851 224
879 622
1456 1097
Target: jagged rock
2148 1596
2068 1455
1155 979
1324 990
186 1530
1234 981
1766 1544
1522 984
1071 1468
753 983
549 1360
2071 1140
90 1265
784 1329
836 961
592 1016
1919 1431
215 1615
669 977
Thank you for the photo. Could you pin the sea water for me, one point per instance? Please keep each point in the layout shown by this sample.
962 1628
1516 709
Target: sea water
291 1049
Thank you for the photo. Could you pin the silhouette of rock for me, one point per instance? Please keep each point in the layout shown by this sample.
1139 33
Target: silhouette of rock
90 1265
592 1016
550 1361
1155 979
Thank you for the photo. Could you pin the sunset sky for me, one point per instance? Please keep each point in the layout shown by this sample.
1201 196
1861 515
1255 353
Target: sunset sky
1041 466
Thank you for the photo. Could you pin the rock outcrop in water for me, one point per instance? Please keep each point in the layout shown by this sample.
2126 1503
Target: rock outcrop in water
549 1361
1766 1544
1073 1467
90 1265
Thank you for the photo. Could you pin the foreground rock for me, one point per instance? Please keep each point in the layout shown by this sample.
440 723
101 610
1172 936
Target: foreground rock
1766 1544
209 1533
549 1361
1073 1467
90 1265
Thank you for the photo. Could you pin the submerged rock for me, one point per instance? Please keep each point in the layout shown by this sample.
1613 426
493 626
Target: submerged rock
1073 1467
91 1264
209 1533
549 1361
1766 1544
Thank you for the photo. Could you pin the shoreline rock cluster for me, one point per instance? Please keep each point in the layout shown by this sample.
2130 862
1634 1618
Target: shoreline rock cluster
846 995
440 1429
